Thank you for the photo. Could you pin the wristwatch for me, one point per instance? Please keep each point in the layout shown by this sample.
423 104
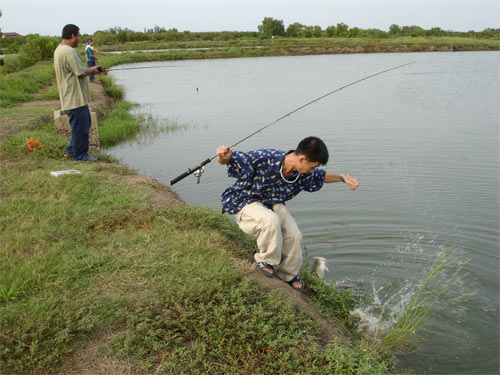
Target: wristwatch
342 178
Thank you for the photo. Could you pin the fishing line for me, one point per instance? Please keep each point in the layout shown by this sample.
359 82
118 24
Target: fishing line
200 167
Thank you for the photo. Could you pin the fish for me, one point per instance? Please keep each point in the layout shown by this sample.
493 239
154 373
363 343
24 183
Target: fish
319 267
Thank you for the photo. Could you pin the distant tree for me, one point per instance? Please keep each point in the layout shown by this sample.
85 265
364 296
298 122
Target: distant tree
489 33
102 38
331 31
37 48
158 29
412 31
316 31
121 37
341 30
272 27
395 30
293 29
354 32
435 31
307 32
375 33
137 36
118 29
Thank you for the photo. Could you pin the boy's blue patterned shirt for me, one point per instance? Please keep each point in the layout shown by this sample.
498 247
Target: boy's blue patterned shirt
259 180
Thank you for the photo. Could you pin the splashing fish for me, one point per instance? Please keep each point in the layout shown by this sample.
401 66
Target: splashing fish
319 267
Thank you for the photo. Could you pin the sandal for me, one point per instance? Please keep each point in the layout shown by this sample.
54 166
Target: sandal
297 279
261 266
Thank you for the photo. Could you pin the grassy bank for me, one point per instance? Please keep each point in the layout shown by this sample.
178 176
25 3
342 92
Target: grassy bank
90 268
282 42
307 46
287 47
23 85
106 272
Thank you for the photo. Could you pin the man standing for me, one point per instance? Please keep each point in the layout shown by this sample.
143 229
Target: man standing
91 59
74 91
266 179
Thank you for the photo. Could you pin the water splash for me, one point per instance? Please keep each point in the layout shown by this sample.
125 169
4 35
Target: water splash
393 318
383 308
368 323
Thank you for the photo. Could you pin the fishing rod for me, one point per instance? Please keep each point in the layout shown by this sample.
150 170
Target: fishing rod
199 169
143 67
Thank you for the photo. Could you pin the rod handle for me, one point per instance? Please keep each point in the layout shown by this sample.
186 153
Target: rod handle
189 171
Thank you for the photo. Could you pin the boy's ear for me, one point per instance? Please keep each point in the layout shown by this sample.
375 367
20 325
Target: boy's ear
302 158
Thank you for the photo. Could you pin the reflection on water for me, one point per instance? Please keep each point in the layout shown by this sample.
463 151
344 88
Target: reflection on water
424 147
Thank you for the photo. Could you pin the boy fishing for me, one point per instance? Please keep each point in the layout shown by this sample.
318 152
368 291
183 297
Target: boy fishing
266 179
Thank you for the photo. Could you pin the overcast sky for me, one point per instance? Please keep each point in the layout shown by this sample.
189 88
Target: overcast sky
47 17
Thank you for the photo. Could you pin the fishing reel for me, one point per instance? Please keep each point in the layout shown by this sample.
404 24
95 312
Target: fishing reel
102 69
198 173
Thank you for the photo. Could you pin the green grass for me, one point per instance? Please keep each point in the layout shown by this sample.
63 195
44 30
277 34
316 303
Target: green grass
11 64
472 43
88 261
147 45
120 125
20 86
337 305
16 118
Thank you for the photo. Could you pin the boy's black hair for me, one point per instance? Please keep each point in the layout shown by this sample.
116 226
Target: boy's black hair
70 30
314 149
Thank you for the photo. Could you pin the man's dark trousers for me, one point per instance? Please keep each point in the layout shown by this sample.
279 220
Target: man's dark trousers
80 121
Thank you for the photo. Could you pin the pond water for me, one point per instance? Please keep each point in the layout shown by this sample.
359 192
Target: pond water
423 141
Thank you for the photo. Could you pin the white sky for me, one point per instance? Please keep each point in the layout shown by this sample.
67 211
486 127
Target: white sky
47 17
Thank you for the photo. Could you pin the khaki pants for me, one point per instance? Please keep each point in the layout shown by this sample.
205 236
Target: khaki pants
278 237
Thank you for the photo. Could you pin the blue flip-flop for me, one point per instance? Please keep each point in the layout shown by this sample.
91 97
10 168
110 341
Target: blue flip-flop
261 266
297 279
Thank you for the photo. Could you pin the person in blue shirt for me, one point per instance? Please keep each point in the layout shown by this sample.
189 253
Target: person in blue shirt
91 59
266 179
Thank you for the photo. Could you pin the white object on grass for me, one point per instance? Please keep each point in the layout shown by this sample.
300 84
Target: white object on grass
68 171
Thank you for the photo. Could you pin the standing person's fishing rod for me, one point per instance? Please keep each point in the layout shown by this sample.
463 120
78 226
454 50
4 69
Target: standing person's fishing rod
103 69
200 167
145 67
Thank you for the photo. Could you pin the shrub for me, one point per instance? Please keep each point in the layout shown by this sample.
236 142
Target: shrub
37 48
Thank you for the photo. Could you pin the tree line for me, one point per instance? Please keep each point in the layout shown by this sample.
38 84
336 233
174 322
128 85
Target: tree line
34 47
269 28
272 28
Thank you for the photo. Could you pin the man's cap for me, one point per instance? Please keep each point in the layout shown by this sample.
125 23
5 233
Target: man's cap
89 40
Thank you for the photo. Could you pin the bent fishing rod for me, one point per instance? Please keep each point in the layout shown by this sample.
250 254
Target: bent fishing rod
198 170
